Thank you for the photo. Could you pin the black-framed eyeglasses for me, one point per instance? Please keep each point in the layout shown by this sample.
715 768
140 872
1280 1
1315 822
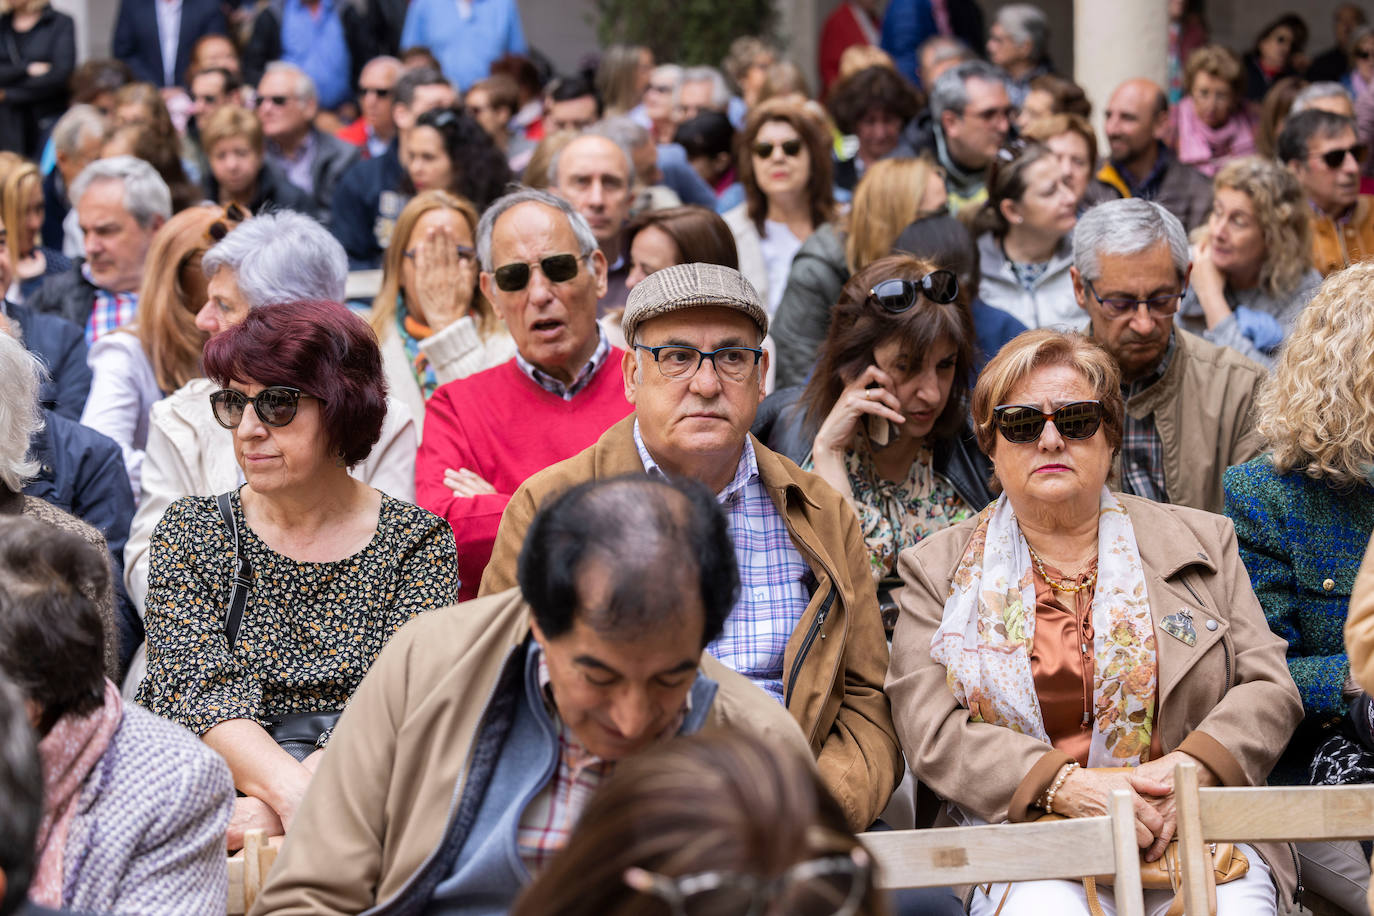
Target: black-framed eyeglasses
559 268
790 148
1119 307
275 405
278 100
897 295
1021 423
829 886
677 361
233 213
465 253
1335 158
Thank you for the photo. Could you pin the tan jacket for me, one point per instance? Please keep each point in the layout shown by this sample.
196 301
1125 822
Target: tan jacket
1228 700
1203 410
1359 625
1338 245
388 786
834 681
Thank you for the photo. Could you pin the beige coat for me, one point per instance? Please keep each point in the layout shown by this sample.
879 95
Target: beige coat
1228 700
1203 410
388 785
835 682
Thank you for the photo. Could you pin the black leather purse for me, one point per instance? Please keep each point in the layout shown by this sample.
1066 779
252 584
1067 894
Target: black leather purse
297 733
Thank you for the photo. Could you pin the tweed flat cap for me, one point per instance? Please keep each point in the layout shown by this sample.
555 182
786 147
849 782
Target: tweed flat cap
687 286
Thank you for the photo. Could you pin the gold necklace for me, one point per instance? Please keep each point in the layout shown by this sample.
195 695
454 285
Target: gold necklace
1061 585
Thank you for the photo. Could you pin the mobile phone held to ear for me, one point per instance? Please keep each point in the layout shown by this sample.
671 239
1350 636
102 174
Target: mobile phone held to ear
879 429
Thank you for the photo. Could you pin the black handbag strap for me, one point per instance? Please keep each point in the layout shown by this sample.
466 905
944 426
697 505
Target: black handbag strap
243 574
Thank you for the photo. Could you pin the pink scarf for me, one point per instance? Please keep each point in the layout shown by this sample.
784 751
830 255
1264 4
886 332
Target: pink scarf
1207 149
68 753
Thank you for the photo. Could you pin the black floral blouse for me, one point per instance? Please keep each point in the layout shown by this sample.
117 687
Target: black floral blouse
310 631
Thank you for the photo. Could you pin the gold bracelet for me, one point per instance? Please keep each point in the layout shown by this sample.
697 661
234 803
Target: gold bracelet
1058 784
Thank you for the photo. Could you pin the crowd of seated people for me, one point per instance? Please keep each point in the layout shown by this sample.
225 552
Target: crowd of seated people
535 492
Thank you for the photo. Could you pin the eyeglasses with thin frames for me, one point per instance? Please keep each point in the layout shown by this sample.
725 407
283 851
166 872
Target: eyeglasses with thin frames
679 362
1120 307
465 253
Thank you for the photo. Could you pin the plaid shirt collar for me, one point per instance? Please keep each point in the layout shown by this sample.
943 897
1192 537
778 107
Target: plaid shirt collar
579 382
1154 375
746 471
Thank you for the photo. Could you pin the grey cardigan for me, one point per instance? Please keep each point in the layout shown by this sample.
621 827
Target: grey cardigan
1228 333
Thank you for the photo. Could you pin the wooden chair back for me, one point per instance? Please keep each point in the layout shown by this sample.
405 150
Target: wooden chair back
1280 814
1073 848
248 870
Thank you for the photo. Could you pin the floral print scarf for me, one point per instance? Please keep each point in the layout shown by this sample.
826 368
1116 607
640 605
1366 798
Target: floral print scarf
985 638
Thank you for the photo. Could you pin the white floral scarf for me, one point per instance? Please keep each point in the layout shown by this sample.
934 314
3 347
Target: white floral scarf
985 638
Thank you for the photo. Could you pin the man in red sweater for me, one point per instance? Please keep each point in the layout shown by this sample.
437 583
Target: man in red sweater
485 434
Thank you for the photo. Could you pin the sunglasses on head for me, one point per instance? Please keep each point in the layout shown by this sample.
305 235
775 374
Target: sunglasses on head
275 406
233 214
278 100
559 268
939 286
1021 423
790 148
1335 158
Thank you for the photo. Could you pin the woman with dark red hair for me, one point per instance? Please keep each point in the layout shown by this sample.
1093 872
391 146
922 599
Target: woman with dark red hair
267 605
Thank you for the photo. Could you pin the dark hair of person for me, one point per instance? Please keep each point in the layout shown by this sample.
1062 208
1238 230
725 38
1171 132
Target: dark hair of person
321 348
502 92
701 235
21 797
567 88
231 79
523 71
1278 102
1007 180
710 133
1295 138
874 87
820 184
1295 23
410 80
1068 96
147 142
96 77
945 242
722 800
657 538
52 637
859 326
418 56
480 171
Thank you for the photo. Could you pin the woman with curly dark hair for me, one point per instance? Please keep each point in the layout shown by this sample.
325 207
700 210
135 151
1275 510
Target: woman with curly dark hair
449 151
874 105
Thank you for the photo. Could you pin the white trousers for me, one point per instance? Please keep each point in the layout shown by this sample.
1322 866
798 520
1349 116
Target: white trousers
1252 895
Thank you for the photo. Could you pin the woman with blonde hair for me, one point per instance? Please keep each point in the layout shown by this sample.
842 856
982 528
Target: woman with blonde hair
141 364
892 194
432 322
1252 273
22 211
1304 513
622 76
238 171
1212 125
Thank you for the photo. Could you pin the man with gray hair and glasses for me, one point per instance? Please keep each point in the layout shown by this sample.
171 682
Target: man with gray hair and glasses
76 138
1188 402
970 119
276 257
311 159
485 434
120 203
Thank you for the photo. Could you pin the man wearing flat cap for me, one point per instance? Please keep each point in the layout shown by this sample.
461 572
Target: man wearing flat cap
806 626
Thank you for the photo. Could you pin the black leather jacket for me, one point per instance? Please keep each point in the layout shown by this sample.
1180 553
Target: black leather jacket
781 425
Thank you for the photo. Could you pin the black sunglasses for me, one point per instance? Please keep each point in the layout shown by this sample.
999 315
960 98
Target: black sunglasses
939 286
275 406
1335 158
559 268
1364 55
1021 423
790 148
278 100
373 90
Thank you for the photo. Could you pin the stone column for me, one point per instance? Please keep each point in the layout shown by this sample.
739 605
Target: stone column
1115 41
95 21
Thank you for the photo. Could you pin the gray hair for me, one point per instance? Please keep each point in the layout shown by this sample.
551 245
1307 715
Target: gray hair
1323 90
79 124
21 375
281 257
146 195
606 130
1026 22
668 72
1125 227
720 91
586 241
950 92
305 86
946 48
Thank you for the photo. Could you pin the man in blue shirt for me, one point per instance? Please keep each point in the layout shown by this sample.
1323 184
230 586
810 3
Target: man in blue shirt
466 36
